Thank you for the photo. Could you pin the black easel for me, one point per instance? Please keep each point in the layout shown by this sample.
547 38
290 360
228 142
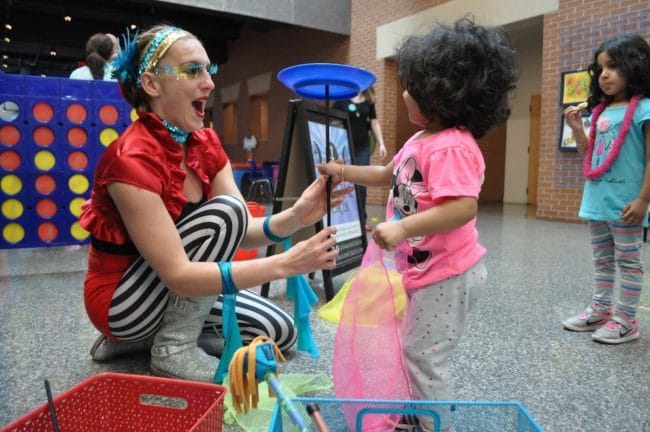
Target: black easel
297 171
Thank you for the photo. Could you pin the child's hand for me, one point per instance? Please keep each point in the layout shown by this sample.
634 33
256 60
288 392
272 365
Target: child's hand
573 117
635 212
332 169
388 234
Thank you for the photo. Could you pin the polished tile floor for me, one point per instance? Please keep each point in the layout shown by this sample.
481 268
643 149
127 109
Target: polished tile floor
515 348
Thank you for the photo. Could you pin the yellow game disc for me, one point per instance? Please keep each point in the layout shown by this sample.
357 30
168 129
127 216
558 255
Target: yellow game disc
44 160
78 183
107 136
11 184
75 206
78 232
12 209
13 233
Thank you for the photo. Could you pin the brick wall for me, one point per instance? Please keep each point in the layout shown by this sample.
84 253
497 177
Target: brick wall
571 35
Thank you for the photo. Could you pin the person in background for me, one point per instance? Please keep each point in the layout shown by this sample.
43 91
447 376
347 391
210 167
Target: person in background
101 48
617 191
166 218
363 122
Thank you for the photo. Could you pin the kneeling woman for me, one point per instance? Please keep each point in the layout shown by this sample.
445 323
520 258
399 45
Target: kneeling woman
166 217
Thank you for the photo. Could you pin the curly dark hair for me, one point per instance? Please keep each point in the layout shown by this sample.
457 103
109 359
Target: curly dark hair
460 75
631 54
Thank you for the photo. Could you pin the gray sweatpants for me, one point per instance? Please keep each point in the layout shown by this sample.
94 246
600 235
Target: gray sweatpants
436 320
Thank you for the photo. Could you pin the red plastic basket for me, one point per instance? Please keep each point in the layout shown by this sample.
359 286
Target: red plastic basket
121 402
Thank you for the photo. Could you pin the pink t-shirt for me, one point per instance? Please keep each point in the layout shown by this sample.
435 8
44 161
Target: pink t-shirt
426 172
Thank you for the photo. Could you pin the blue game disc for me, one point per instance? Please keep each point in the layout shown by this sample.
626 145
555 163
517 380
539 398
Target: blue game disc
309 80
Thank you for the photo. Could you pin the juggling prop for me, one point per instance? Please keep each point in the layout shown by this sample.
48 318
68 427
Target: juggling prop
253 364
326 81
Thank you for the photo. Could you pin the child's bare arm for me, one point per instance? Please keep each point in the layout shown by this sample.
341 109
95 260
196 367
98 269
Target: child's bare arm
451 214
370 175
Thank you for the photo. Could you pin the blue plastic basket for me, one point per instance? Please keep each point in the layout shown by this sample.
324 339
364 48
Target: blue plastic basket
462 416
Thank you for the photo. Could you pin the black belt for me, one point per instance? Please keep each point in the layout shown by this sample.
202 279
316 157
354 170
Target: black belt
112 248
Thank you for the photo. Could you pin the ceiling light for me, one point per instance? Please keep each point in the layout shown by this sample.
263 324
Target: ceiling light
67 18
53 52
5 56
8 26
133 26
7 39
5 65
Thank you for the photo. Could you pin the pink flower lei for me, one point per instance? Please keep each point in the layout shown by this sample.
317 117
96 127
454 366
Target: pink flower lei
616 146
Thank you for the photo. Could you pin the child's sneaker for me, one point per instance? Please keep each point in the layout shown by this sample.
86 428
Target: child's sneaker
617 330
590 319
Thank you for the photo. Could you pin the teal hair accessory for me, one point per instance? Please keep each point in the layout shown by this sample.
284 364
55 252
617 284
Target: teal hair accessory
125 64
151 50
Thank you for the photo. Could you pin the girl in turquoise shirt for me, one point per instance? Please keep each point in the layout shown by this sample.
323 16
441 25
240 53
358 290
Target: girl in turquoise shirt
617 190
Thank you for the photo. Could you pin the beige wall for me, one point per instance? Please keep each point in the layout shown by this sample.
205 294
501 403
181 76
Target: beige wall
528 43
486 12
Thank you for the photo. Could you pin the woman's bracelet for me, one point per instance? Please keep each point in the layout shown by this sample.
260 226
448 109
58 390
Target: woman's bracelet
269 234
227 284
342 171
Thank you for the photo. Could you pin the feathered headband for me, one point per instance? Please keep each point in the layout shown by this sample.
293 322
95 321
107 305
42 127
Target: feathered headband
128 67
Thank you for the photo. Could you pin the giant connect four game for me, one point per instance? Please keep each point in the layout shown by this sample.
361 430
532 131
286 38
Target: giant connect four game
52 132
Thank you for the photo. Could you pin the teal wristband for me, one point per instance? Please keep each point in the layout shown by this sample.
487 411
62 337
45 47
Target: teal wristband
269 234
227 284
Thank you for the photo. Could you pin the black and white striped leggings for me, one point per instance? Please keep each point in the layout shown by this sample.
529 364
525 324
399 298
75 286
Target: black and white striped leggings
210 233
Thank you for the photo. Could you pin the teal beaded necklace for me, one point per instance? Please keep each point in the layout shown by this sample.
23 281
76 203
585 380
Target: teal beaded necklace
179 135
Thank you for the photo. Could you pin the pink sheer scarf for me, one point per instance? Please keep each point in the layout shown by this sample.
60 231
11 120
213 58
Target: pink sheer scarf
367 351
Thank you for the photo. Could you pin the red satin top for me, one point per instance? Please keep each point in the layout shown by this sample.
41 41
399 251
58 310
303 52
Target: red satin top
146 156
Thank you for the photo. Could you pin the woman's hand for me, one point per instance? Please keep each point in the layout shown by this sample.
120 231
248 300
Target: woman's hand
316 253
635 212
388 234
312 204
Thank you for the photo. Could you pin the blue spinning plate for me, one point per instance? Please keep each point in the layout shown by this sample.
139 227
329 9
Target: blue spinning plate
309 80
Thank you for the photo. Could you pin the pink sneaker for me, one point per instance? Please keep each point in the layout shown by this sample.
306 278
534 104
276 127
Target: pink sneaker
617 330
590 319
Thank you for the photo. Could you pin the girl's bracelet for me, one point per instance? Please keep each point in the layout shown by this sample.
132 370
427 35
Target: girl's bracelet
227 284
269 234
342 171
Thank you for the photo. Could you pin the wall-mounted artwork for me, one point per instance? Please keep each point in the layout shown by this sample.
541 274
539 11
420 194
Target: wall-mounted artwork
575 87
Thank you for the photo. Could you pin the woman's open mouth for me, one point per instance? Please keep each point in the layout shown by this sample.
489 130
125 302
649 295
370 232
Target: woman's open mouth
199 108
